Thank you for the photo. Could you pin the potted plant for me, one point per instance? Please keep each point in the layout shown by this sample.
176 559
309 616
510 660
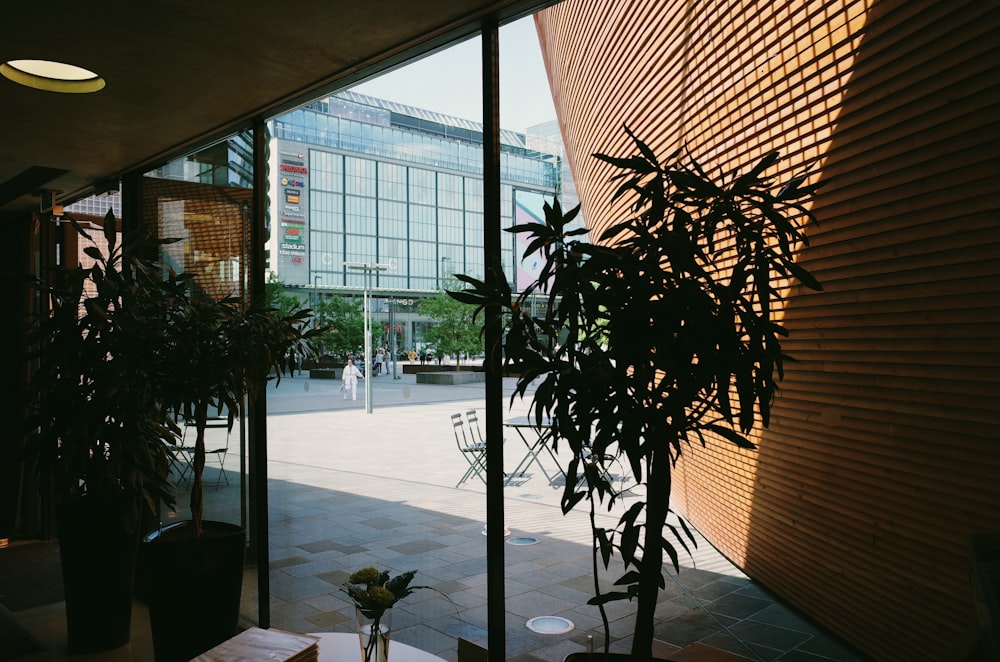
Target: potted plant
97 429
659 336
219 353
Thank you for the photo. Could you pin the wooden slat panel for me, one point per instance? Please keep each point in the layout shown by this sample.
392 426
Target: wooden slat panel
884 446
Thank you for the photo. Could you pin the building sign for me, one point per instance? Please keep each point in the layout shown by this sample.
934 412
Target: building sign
291 196
298 169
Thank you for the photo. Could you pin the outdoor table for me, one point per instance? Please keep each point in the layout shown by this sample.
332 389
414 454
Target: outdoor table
345 647
535 446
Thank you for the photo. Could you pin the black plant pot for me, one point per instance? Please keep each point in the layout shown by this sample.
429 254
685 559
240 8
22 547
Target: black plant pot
192 587
98 565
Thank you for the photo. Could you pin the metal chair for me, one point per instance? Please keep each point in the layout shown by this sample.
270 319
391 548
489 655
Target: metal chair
473 451
475 432
185 453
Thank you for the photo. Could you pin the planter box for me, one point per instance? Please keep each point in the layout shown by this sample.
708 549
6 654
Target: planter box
451 377
325 373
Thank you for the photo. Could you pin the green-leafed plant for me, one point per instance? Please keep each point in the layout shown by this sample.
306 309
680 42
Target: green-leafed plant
127 346
218 353
454 330
98 424
659 335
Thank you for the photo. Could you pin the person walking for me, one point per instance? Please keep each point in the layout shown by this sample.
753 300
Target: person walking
350 377
379 361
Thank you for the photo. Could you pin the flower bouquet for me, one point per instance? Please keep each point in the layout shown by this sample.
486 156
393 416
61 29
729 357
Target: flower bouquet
374 593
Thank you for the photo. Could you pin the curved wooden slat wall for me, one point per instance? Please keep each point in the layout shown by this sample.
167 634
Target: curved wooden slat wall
883 454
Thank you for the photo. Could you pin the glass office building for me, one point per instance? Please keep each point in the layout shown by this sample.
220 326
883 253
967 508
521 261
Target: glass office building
359 179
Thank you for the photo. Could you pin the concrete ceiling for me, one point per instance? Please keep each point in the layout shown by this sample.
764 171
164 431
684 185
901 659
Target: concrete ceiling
183 72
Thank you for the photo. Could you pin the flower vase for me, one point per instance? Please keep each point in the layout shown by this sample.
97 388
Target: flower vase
373 634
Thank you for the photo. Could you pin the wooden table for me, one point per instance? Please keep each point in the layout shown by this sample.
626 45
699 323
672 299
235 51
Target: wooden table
345 647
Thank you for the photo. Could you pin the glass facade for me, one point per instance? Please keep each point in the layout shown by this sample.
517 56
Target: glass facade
360 179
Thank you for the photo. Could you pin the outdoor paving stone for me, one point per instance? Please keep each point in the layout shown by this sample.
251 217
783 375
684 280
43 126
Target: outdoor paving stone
323 546
715 590
727 642
335 577
466 599
536 603
416 546
828 647
776 614
737 606
683 631
277 563
570 595
383 523
327 619
328 601
289 588
769 635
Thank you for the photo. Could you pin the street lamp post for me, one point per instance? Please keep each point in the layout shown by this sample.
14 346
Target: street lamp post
367 268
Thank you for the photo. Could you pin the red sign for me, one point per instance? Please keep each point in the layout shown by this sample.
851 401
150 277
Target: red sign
294 168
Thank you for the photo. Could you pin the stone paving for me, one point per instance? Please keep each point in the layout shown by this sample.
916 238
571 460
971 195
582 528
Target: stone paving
350 489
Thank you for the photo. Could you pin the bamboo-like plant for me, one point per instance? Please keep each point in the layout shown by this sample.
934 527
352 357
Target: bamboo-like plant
219 352
660 334
98 425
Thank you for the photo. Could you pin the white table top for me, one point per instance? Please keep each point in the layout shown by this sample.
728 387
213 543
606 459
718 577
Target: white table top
527 422
345 647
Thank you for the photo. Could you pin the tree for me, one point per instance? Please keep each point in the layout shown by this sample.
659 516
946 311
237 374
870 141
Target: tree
662 336
345 322
275 297
455 331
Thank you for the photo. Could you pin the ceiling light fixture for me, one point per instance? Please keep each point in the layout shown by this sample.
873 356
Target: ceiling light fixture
52 76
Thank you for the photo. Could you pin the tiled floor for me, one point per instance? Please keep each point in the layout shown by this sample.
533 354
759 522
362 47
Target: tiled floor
350 489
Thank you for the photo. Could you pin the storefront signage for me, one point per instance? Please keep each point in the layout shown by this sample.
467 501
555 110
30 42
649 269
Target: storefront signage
298 248
287 167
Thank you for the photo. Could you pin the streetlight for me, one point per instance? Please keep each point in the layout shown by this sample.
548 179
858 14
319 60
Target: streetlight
368 268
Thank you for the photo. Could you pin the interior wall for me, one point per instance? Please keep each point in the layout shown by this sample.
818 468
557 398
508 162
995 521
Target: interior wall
882 454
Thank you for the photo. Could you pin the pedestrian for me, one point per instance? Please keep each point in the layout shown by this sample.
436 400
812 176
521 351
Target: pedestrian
350 378
379 361
412 355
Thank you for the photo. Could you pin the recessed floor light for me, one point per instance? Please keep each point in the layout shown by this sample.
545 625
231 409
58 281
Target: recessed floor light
550 625
52 76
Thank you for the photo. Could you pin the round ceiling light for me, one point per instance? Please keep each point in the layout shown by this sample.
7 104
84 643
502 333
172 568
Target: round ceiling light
52 76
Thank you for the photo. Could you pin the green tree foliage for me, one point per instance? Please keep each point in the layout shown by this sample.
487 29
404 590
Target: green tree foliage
343 318
659 338
275 297
455 330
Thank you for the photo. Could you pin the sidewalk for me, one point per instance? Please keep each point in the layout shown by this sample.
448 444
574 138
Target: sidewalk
349 489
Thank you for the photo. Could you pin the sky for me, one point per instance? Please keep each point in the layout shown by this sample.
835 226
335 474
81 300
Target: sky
449 81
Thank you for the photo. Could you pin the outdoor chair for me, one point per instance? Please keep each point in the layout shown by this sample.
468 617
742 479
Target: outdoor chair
214 452
475 432
474 452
